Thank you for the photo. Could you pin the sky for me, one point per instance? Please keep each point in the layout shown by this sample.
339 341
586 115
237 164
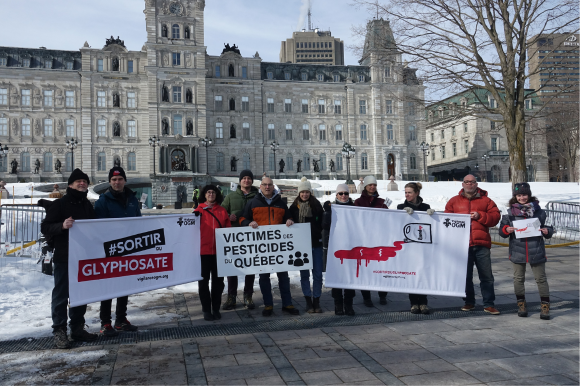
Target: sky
257 25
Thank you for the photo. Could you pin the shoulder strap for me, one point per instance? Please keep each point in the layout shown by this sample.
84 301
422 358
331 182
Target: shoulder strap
209 211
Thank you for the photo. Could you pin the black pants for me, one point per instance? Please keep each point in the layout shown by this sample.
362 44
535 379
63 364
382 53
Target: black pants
233 284
59 301
210 301
367 294
106 310
337 294
416 300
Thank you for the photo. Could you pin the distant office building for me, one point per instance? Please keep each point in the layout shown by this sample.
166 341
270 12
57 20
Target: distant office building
312 47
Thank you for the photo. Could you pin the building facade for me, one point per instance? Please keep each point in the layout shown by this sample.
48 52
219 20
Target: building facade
312 47
113 101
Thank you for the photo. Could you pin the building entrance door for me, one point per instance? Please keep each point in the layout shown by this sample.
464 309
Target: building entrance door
390 165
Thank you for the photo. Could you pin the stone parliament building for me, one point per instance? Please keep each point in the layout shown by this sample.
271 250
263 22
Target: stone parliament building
113 100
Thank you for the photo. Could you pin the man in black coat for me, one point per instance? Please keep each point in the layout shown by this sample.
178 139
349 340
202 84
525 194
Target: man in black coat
60 217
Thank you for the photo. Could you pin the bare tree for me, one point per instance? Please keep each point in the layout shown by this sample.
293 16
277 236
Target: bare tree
478 44
563 137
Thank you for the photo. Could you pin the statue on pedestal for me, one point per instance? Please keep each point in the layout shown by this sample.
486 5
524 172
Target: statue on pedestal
14 166
316 166
57 166
299 163
37 166
281 165
392 186
331 164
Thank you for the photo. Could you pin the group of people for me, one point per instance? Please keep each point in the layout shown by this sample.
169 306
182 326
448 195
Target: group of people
252 207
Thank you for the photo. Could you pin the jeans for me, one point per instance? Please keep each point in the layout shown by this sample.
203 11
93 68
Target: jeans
316 275
265 285
367 294
416 300
106 310
337 294
233 284
210 301
539 271
60 298
480 257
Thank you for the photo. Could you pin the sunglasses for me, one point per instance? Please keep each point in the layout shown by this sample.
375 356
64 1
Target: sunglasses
342 193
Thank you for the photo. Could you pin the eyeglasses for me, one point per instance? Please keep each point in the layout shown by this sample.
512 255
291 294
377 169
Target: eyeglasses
469 182
342 193
267 185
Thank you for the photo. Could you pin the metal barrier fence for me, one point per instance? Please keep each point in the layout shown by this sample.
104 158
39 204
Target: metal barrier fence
20 223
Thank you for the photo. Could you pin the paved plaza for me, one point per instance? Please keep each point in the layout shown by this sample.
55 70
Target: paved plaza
381 345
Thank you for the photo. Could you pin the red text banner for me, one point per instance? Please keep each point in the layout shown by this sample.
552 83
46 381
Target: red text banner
99 269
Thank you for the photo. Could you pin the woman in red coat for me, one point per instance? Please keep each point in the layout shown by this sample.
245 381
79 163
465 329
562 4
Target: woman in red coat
212 216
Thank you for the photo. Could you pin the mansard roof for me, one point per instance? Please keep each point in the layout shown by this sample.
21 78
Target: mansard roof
37 56
329 71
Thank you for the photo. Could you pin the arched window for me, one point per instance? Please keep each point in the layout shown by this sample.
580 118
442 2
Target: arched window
323 162
289 162
68 162
25 161
413 161
47 162
177 125
338 161
231 104
131 161
175 31
246 161
364 161
102 161
219 162
306 161
412 133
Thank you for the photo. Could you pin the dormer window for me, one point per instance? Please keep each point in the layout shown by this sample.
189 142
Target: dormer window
361 78
69 65
320 77
337 78
26 63
48 63
270 75
3 61
304 76
175 31
287 76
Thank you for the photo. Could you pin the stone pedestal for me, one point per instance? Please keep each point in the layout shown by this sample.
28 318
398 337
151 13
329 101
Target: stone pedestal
300 175
281 176
332 176
11 179
392 187
315 176
36 178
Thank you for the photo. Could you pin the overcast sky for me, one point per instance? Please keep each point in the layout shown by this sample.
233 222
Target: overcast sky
253 25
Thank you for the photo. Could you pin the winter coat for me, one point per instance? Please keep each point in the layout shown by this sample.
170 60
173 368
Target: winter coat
420 206
528 250
488 212
109 206
235 202
327 221
274 213
370 201
315 223
71 205
208 224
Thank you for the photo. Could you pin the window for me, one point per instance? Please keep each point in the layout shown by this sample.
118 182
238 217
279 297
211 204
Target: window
361 78
271 131
388 108
364 161
412 130
48 96
432 137
337 78
48 127
338 131
177 124
69 128
528 104
101 99
466 127
3 126
218 102
289 162
219 130
287 105
25 98
466 144
412 161
68 162
493 144
272 162
246 161
492 103
443 151
411 108
176 94
270 105
362 107
322 130
306 132
25 161
441 134
387 72
175 31
47 162
363 132
49 63
454 131
492 125
246 131
26 127
131 100
337 107
433 153
390 132
100 65
231 104
454 149
101 127
323 161
245 103
129 66
304 106
217 71
320 77
220 162
132 128
288 76
269 75
69 99
3 96
27 63
288 131
176 58
102 161
2 61
321 106
244 72
306 161
338 161
304 76
131 161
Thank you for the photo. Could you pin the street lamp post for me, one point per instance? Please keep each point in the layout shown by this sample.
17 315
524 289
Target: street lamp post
484 158
71 145
348 152
206 142
425 147
154 142
274 146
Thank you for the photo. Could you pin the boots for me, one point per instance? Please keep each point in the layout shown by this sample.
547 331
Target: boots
230 303
249 301
78 333
309 305
317 309
338 307
60 338
348 307
522 312
545 310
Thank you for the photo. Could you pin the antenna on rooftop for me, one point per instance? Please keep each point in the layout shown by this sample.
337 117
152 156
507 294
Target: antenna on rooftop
309 19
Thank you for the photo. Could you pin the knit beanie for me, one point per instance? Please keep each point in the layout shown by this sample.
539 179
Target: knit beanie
342 188
304 185
77 174
369 180
522 188
116 171
244 174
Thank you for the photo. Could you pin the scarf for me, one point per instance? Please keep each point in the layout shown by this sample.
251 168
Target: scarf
119 196
525 210
305 210
76 194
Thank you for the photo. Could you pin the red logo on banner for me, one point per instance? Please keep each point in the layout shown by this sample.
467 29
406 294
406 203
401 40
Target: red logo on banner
368 254
98 269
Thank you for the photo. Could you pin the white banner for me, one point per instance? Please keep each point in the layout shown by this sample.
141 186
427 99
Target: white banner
109 258
527 228
269 248
390 250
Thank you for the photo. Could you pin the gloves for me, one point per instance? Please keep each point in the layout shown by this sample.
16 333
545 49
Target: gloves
196 213
409 210
430 212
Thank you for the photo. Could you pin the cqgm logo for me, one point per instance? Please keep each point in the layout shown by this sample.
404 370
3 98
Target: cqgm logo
418 233
186 221
454 223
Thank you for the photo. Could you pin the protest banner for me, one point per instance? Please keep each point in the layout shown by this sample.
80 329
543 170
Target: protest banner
270 248
109 258
527 228
390 250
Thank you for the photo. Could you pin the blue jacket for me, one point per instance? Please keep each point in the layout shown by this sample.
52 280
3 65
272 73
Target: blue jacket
108 206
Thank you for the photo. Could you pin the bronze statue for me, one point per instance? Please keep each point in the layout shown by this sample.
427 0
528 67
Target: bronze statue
331 164
164 31
189 128
299 163
164 94
116 99
187 32
232 131
188 96
116 129
37 166
117 162
281 165
233 161
115 64
14 166
164 126
57 166
316 165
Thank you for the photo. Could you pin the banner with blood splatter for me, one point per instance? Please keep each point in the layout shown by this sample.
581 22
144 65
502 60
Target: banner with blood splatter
390 250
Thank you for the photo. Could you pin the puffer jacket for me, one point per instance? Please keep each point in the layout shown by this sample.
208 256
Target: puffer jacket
327 220
235 202
258 210
370 201
488 212
315 223
109 206
420 206
528 250
208 224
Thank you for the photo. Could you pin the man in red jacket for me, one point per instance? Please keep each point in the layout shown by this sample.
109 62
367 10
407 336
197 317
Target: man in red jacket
484 214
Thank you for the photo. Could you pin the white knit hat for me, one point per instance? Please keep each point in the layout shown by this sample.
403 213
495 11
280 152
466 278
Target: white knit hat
369 180
304 185
342 188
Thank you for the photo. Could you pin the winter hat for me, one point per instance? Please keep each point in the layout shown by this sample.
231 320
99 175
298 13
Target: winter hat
342 188
77 174
522 188
116 171
244 174
304 185
369 180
